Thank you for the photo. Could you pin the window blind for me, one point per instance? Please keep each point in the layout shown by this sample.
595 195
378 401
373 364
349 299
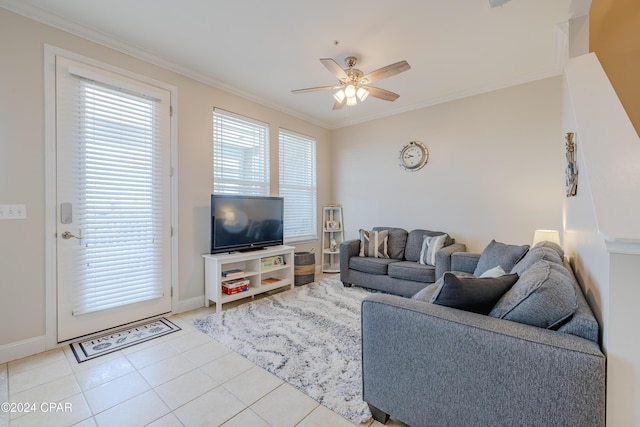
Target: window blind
118 195
240 155
298 185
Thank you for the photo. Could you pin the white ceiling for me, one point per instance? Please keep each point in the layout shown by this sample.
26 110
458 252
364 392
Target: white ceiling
264 49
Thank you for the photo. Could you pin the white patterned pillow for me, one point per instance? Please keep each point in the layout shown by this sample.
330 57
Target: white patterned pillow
374 243
431 245
494 272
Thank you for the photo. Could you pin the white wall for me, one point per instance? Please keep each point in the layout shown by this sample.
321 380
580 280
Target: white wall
602 231
584 247
494 170
22 159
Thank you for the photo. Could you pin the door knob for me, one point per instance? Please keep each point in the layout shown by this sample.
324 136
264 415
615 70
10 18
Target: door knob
67 235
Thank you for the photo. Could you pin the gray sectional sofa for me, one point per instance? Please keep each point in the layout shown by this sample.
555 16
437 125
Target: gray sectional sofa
400 273
429 364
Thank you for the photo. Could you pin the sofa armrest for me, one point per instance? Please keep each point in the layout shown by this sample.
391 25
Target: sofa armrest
468 369
464 261
348 249
443 258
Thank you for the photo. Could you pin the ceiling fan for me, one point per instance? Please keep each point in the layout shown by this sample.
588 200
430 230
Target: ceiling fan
354 83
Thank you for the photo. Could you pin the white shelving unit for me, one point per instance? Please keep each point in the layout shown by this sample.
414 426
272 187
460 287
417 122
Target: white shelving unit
261 278
332 230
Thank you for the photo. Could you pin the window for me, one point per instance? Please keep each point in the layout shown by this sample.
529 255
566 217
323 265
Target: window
240 155
298 185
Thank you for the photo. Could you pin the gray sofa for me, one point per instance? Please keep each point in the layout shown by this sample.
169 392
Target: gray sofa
432 365
400 274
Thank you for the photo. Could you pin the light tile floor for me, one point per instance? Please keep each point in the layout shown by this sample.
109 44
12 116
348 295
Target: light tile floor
181 379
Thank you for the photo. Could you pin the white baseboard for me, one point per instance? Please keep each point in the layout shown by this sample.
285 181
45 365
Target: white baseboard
24 348
189 304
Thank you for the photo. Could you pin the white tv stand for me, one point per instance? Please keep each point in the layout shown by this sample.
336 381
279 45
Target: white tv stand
261 279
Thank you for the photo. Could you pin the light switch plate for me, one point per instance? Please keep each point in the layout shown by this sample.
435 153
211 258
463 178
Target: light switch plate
13 212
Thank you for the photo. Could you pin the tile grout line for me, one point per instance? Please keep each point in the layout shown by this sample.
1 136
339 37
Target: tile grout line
181 348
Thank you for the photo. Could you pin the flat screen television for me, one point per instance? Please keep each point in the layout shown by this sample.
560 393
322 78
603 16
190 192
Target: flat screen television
243 223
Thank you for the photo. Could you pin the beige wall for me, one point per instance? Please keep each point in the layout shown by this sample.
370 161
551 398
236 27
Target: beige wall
614 35
494 171
22 160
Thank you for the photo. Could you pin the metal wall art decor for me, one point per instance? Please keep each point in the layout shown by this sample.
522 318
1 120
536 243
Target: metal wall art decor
572 167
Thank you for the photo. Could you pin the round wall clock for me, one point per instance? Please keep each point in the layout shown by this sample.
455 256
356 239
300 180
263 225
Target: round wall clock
413 156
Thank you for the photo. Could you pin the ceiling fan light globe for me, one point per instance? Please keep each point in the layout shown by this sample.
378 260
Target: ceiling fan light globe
339 96
362 93
350 91
351 101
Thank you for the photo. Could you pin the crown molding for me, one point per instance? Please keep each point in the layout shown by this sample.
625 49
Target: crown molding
65 25
479 90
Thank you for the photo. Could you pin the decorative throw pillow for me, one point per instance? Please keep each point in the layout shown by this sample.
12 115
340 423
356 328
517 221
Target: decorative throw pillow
493 272
543 296
474 294
374 243
499 254
550 245
534 255
431 245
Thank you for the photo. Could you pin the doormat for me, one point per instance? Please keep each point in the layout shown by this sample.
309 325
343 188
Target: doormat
114 341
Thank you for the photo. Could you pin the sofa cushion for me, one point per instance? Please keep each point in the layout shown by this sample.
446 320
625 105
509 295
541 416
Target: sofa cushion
414 243
425 293
397 241
499 254
374 243
409 270
543 296
550 245
474 294
533 256
371 265
582 323
430 246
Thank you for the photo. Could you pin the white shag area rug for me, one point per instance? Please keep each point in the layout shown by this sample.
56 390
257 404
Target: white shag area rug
308 336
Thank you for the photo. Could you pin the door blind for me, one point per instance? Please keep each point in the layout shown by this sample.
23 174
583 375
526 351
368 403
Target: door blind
240 155
118 200
298 185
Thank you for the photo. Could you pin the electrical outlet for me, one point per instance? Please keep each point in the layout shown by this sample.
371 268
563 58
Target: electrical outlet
13 212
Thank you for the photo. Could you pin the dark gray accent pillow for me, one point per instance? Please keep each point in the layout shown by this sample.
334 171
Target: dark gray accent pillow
499 254
543 296
474 294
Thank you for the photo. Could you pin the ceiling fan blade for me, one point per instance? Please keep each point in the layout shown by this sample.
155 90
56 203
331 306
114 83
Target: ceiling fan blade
382 94
315 89
338 105
384 72
334 68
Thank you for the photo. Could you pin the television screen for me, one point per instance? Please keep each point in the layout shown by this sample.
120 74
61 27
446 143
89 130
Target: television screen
245 222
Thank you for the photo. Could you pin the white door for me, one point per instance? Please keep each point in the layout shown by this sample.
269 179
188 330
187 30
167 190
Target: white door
113 200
